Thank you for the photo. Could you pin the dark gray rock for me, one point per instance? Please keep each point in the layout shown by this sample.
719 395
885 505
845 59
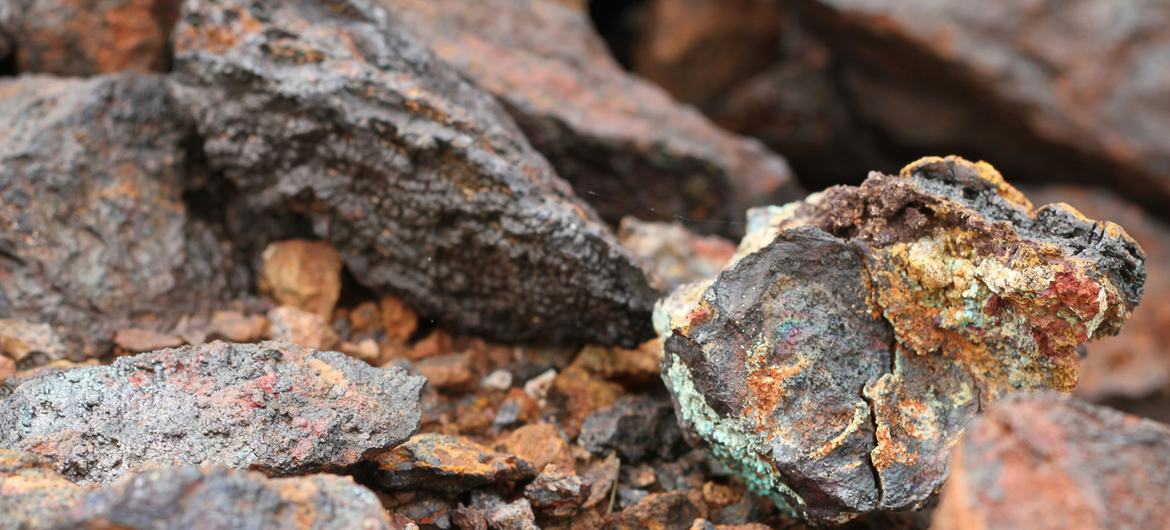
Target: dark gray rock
637 427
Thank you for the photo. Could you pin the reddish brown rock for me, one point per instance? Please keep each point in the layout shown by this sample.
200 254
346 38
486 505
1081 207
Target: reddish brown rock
449 372
1069 90
133 340
32 493
1048 461
303 274
235 326
293 325
541 445
30 344
555 494
624 144
630 367
7 368
576 393
94 234
399 321
673 254
675 510
453 464
273 407
421 181
88 37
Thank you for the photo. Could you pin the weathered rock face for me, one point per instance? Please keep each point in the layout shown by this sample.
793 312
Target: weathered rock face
834 363
79 38
94 235
422 182
272 407
624 144
1078 98
220 497
1047 461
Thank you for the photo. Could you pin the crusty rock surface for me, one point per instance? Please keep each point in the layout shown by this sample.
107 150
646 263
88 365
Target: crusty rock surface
421 181
272 407
94 235
88 37
1048 461
835 362
623 144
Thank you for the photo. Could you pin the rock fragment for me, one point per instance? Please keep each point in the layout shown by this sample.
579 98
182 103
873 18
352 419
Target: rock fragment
32 493
556 494
134 340
94 234
422 182
1048 461
503 515
445 463
637 427
297 326
622 143
82 38
674 254
303 274
835 362
541 445
30 344
675 510
220 497
272 407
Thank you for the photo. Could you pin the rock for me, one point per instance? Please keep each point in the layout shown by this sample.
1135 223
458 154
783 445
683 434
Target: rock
427 510
501 515
272 407
7 369
450 372
632 368
235 326
437 342
541 445
673 254
833 365
399 320
673 510
133 340
220 497
637 427
556 494
32 493
624 144
1135 363
30 344
497 380
1076 99
95 234
290 324
303 274
422 182
1048 461
444 463
603 475
82 38
578 393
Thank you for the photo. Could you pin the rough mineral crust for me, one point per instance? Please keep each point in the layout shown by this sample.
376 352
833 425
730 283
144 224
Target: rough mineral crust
625 145
446 463
272 407
88 37
94 235
836 360
422 182
220 497
1047 461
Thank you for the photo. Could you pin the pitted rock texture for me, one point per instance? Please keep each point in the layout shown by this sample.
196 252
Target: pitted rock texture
272 407
94 235
421 181
836 360
1047 461
88 37
624 144
219 497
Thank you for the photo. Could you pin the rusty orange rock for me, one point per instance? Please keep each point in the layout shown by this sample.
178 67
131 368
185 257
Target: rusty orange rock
440 462
302 274
293 325
540 444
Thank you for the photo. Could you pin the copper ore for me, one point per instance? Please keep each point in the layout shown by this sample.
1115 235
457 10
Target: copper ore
836 360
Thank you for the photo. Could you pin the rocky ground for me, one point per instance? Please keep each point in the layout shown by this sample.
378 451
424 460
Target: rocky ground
551 264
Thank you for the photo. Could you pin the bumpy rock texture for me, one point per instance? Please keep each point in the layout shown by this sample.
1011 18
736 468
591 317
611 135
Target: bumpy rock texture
94 235
272 407
624 144
1047 461
422 182
88 37
834 363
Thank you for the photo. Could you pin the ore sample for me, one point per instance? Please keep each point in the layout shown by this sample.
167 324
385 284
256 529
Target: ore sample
88 37
446 463
500 514
1049 461
835 362
557 494
637 427
272 407
623 144
220 497
94 234
421 181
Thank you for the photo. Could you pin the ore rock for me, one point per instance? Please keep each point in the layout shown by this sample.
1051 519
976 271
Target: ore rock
87 37
220 497
446 463
422 182
1049 461
835 362
557 494
623 143
272 407
32 493
94 234
503 515
636 426
303 274
30 344
673 254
